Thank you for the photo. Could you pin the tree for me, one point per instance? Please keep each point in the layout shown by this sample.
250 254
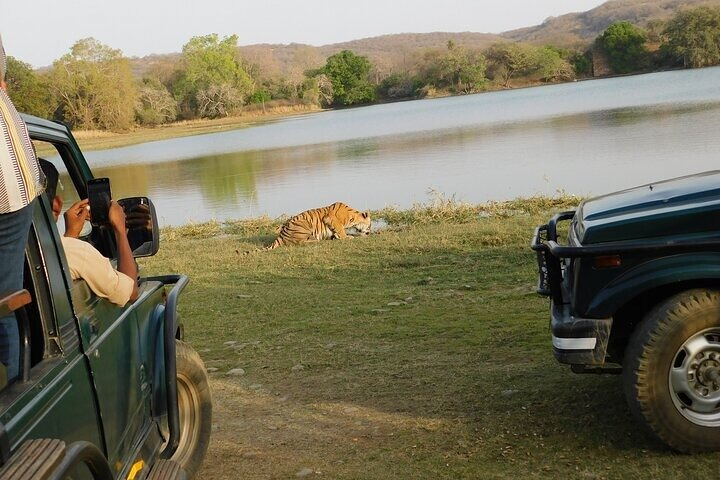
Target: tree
511 59
318 90
398 85
261 97
29 91
348 74
212 70
581 63
692 37
654 29
94 87
218 100
624 44
155 105
463 71
552 66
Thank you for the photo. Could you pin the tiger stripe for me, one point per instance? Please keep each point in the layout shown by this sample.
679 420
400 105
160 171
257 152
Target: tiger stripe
321 224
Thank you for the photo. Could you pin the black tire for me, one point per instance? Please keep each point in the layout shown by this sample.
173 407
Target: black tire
167 470
195 402
672 371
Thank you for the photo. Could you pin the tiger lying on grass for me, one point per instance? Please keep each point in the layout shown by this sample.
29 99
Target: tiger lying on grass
322 224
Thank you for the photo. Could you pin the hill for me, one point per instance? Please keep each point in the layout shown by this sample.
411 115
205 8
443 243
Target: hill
399 52
580 29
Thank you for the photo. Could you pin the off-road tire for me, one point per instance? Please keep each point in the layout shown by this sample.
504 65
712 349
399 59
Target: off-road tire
195 404
670 371
167 470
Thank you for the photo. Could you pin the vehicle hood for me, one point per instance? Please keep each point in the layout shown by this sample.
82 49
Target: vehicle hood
678 209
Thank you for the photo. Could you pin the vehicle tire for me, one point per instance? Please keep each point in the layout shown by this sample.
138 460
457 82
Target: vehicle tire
167 470
672 371
195 403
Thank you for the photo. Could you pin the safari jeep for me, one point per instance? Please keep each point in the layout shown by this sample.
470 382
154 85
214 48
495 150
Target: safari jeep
635 289
104 392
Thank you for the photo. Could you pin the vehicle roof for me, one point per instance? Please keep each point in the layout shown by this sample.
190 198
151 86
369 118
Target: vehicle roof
36 124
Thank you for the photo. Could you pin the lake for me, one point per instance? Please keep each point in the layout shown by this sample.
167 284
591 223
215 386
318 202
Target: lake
585 138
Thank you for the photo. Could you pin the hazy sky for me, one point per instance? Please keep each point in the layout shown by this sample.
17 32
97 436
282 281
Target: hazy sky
40 31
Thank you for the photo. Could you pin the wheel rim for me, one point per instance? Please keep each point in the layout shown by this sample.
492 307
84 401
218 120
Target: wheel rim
189 406
694 378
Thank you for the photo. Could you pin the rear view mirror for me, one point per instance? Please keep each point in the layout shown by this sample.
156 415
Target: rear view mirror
141 222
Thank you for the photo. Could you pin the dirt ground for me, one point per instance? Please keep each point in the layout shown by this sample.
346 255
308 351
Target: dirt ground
261 434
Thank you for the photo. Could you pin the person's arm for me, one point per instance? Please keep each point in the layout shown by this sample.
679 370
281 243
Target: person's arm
125 262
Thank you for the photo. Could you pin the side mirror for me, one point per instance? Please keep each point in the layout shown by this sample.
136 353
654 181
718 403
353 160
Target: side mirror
141 222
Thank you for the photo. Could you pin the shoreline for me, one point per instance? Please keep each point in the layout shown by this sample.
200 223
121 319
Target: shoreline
103 140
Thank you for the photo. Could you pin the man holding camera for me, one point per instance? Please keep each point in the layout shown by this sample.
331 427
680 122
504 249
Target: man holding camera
117 286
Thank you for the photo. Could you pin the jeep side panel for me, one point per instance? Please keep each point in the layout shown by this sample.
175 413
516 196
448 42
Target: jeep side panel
58 401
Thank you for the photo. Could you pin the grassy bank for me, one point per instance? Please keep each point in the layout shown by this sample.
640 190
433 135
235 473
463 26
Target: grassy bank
421 351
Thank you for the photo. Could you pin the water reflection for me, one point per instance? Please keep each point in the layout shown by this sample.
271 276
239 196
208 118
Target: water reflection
575 137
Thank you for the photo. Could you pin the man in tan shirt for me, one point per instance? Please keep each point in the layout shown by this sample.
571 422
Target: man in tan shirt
117 286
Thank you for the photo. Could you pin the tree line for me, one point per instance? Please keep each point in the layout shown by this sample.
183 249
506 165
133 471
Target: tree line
690 39
93 86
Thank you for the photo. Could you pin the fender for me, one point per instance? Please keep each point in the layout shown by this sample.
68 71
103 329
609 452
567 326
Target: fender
653 274
171 331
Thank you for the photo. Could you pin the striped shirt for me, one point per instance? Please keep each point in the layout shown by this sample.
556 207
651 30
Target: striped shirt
20 177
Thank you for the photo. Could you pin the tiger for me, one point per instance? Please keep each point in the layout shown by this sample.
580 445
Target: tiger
323 223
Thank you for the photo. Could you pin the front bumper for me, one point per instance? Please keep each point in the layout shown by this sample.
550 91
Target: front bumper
578 341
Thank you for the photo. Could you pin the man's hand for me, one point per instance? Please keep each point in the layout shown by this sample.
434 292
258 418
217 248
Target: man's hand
75 218
116 215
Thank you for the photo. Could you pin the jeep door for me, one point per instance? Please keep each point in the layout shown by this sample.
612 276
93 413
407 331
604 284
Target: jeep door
57 398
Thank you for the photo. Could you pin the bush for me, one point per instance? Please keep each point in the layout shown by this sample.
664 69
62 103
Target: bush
625 46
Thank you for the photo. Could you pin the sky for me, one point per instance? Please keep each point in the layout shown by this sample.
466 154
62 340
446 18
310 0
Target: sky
41 31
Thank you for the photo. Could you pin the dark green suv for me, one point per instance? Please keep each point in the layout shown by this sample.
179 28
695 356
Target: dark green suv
635 289
105 392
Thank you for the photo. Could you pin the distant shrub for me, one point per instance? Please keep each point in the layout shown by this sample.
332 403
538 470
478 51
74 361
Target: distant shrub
398 86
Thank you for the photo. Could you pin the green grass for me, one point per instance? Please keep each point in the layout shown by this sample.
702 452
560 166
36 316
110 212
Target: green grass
419 352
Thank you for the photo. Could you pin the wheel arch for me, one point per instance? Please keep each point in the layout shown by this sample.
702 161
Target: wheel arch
631 313
654 274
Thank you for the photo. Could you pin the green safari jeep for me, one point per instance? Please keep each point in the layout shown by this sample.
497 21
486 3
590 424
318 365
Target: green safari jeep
105 392
635 289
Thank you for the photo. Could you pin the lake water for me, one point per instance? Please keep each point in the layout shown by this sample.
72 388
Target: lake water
585 138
